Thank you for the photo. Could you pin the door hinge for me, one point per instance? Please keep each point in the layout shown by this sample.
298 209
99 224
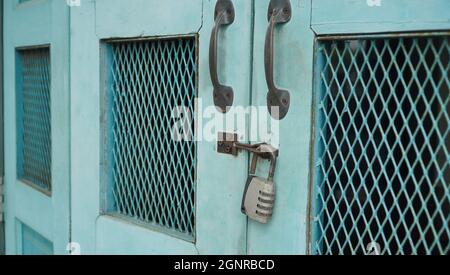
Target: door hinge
2 200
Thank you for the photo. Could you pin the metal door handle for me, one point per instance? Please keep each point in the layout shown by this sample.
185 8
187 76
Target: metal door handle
280 12
224 15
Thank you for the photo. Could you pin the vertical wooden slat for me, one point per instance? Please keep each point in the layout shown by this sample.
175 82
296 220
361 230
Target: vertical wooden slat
2 229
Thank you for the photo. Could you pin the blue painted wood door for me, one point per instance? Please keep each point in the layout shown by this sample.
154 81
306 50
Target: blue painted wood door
286 233
380 180
36 50
315 211
135 191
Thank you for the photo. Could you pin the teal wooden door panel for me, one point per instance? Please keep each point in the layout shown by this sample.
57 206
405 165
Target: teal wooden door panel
374 16
29 242
286 233
221 178
110 38
132 20
293 228
36 44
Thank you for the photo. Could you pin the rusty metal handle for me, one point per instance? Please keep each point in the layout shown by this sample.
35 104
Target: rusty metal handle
224 15
278 100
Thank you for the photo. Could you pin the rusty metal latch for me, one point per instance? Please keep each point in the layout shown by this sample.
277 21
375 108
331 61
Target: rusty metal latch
258 201
228 144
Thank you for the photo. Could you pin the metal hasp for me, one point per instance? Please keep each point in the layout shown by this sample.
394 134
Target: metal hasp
223 95
259 194
227 143
278 100
263 151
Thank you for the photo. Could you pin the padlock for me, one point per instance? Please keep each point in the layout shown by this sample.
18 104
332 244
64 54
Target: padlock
259 194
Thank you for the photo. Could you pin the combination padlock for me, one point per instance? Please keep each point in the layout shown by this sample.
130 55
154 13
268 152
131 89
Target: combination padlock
259 194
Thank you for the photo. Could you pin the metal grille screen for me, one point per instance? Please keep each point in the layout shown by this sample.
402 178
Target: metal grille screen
382 146
34 117
153 176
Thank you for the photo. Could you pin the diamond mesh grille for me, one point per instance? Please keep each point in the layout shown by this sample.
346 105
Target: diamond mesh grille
382 146
34 116
153 176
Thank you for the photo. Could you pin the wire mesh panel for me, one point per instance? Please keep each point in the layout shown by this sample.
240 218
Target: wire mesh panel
152 176
34 117
382 175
